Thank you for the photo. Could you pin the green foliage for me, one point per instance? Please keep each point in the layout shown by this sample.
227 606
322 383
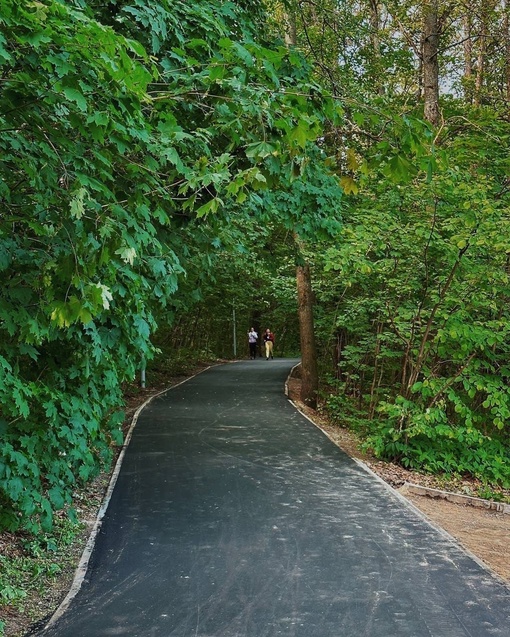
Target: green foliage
137 139
70 331
34 562
419 291
430 443
254 286
413 293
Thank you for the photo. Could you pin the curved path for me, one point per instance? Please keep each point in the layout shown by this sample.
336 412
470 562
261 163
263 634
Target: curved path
233 516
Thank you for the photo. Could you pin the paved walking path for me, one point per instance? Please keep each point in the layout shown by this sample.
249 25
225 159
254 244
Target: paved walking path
233 516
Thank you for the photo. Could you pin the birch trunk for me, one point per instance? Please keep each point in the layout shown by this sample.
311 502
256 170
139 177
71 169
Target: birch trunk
506 32
430 46
468 58
482 52
375 25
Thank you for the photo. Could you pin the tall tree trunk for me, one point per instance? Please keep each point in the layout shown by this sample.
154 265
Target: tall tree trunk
506 35
374 386
290 26
468 57
430 47
482 52
375 26
309 371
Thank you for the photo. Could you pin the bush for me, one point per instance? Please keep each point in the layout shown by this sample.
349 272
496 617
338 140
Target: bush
427 441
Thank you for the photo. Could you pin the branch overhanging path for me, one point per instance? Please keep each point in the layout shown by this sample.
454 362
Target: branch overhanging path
234 516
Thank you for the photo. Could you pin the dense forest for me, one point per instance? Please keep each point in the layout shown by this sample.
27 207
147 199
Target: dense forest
173 173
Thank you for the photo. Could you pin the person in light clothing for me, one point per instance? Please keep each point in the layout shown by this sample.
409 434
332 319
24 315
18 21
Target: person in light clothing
253 337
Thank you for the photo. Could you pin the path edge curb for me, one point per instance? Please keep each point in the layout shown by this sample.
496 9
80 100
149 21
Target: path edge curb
399 495
81 569
456 498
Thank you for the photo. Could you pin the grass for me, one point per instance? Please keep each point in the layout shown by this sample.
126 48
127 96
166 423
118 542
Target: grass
29 565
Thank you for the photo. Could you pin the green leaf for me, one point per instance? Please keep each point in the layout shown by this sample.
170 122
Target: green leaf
210 206
299 134
56 496
77 207
74 95
4 54
127 254
260 150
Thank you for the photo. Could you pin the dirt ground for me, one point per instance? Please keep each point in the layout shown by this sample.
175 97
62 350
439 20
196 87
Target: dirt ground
485 534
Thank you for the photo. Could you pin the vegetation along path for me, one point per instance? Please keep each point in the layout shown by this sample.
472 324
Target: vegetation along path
173 173
234 516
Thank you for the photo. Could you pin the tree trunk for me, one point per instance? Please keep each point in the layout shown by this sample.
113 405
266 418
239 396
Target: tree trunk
375 25
309 371
375 385
430 48
290 27
506 32
468 58
482 52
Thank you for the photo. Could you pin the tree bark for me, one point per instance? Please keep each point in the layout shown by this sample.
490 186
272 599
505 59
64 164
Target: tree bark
309 371
482 52
430 47
375 25
468 58
506 31
290 27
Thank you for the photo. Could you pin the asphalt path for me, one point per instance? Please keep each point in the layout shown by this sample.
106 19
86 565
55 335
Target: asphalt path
234 516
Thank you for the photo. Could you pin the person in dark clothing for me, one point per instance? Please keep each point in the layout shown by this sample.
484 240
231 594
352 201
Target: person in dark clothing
269 343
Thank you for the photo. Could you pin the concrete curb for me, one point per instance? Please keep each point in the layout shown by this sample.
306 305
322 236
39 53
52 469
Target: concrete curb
82 567
286 387
400 495
437 494
415 489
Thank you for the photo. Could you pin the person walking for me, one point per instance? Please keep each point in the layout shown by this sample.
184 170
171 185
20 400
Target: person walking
269 343
253 337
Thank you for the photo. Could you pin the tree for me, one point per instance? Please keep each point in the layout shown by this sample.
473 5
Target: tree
430 52
419 359
506 36
132 133
309 371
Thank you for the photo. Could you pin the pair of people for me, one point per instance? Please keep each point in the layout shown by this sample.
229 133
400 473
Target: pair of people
267 337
